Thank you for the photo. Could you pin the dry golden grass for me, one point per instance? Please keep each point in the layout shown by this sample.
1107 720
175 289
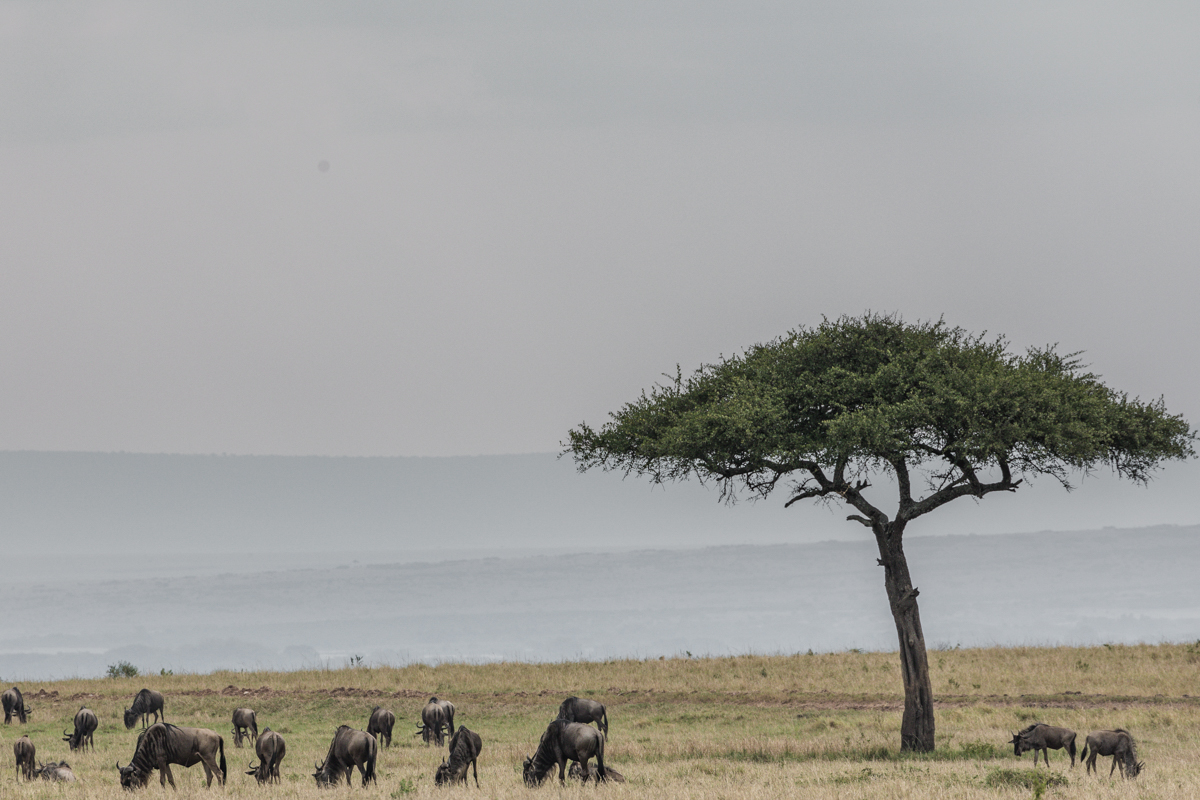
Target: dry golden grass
746 727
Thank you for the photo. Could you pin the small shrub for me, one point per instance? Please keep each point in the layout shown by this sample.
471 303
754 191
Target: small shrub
122 669
404 787
1036 780
981 750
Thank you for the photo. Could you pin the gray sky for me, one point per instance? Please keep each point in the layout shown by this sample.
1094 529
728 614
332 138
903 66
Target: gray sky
532 209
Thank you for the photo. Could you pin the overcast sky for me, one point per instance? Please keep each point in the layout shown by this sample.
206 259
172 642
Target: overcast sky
384 228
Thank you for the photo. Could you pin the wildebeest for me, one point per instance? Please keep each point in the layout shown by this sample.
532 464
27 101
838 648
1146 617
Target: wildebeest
245 724
14 703
55 771
163 744
465 747
562 742
24 751
146 702
576 772
349 749
270 749
434 716
1116 743
381 723
578 709
1040 736
85 725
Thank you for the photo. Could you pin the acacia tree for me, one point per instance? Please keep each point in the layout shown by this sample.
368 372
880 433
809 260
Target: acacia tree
943 413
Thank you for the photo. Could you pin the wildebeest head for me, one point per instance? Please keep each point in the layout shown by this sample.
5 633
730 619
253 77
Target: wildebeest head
131 718
325 776
1019 744
442 775
131 778
260 772
528 774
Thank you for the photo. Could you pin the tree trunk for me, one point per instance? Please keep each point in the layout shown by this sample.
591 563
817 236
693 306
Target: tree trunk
916 730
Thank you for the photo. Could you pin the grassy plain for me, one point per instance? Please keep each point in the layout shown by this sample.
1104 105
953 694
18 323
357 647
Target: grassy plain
744 727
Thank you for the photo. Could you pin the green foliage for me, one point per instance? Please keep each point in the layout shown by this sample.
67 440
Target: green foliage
982 750
405 786
854 396
122 669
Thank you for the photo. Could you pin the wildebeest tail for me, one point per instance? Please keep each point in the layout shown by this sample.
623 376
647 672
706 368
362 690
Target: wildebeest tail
221 748
1071 749
601 772
605 715
369 775
1083 753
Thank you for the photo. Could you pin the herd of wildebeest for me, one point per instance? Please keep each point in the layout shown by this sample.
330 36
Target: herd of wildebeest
568 739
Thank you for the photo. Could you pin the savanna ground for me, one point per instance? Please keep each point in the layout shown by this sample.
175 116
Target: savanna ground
743 727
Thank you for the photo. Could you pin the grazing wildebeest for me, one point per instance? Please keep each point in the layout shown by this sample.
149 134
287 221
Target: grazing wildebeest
245 725
578 709
1116 743
85 725
55 771
163 744
576 772
14 703
146 703
270 749
381 723
349 749
465 747
24 751
562 742
434 716
1040 736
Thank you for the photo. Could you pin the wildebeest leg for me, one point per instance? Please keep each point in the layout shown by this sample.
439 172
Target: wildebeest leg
1114 766
211 767
562 770
164 775
475 769
1045 755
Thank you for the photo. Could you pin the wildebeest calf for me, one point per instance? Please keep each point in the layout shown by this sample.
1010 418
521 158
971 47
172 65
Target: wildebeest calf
55 771
576 772
1043 737
24 751
1116 743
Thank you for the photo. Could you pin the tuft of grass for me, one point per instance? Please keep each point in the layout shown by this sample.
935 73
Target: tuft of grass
1034 779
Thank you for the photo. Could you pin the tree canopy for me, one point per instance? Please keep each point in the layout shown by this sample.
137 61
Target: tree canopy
837 402
957 413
